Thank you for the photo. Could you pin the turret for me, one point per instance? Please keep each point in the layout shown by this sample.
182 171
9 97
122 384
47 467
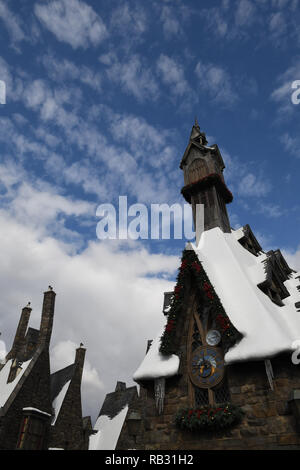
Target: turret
18 346
47 317
204 182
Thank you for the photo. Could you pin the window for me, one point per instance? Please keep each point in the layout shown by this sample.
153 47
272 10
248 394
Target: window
32 431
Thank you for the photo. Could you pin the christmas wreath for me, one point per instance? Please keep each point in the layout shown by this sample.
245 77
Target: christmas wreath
209 418
191 265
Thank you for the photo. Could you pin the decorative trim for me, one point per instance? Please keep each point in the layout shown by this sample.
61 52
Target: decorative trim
209 418
190 265
213 179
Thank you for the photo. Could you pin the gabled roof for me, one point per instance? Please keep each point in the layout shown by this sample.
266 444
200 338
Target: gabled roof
115 401
6 389
59 384
112 416
204 149
266 328
108 431
60 378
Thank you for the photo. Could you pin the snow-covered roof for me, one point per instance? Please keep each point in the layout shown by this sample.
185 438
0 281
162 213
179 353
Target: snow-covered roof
156 364
234 272
36 410
267 328
108 431
6 389
58 401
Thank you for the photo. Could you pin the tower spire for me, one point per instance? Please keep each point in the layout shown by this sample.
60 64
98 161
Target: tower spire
204 182
196 133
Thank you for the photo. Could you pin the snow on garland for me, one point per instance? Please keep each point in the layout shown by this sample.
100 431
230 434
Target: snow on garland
209 418
191 265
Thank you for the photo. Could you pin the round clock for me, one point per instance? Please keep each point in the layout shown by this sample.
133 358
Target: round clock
213 337
206 366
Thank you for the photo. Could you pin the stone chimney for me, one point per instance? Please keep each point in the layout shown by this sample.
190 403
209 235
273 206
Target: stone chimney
79 359
19 342
120 387
47 317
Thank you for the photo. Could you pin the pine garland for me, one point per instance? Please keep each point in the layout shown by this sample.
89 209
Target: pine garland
191 265
209 418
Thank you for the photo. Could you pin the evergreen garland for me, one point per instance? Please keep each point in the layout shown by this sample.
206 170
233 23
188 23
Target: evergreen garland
209 418
191 265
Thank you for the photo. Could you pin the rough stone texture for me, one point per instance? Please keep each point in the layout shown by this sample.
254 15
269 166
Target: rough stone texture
68 431
267 424
33 390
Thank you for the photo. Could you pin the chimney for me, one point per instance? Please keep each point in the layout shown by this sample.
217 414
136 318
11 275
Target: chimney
19 341
120 387
79 359
47 317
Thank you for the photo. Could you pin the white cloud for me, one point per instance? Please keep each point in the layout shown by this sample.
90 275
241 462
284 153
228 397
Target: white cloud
245 13
129 21
73 22
293 258
134 77
3 351
273 211
108 298
277 24
171 25
172 73
217 82
66 71
12 23
252 185
244 182
291 144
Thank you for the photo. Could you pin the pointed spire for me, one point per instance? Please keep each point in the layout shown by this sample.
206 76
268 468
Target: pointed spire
196 134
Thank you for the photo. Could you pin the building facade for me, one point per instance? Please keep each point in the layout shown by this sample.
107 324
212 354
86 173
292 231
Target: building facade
40 410
221 374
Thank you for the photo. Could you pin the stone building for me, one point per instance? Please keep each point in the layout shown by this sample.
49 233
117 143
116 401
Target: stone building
223 373
40 410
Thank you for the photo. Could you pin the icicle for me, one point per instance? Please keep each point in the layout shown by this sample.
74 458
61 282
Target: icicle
159 390
269 372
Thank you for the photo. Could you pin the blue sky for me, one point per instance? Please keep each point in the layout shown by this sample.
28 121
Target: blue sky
101 98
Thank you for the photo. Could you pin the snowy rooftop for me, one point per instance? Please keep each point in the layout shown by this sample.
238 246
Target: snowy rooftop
156 364
267 329
6 389
58 401
108 431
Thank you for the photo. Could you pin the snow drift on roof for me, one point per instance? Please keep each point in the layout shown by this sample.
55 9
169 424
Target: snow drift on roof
7 388
58 401
234 272
156 364
108 431
267 329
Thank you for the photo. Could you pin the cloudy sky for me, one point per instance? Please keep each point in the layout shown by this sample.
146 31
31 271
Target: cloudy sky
100 100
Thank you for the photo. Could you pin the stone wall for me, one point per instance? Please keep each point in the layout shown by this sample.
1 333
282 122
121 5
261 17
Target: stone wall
68 432
33 390
268 422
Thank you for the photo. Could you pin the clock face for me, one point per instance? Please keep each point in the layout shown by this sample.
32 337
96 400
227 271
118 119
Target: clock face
206 366
213 337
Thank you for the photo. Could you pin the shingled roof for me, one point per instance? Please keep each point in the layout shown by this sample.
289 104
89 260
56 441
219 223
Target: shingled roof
115 401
